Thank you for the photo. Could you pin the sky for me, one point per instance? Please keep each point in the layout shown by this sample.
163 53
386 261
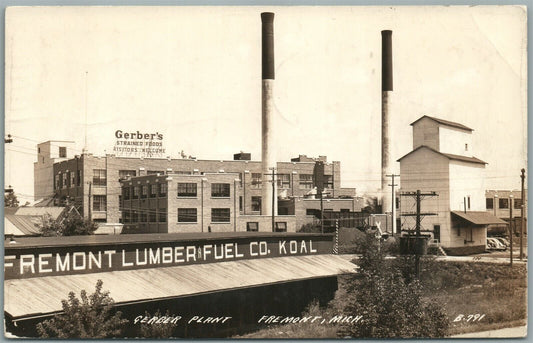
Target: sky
194 74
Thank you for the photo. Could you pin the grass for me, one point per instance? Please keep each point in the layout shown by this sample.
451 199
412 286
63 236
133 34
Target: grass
495 290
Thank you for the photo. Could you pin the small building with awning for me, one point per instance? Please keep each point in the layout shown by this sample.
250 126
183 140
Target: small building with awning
240 275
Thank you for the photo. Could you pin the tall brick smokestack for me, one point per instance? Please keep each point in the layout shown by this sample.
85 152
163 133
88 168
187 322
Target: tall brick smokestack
269 203
386 93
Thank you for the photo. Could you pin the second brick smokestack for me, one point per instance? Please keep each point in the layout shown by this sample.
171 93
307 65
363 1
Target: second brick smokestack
386 92
269 204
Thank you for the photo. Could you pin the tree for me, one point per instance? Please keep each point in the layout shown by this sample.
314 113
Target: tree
90 317
70 225
10 200
389 299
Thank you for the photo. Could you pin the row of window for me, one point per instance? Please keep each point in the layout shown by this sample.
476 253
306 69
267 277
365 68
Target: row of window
145 191
284 181
185 215
67 179
152 216
218 190
503 203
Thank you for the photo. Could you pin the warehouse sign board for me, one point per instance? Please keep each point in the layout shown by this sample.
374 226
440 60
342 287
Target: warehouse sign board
47 261
139 144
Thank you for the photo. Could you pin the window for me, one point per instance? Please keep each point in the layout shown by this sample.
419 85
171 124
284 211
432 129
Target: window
468 202
252 226
182 172
469 235
126 193
281 226
306 181
489 203
62 151
163 190
99 177
78 178
517 203
154 172
187 189
72 179
220 215
256 180
256 204
220 190
328 181
240 203
134 216
123 174
143 217
127 217
65 180
187 215
153 191
144 191
503 203
163 213
99 203
397 203
56 183
135 192
284 181
152 218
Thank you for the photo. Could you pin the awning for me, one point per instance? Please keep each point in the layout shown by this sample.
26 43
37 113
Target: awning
479 217
38 296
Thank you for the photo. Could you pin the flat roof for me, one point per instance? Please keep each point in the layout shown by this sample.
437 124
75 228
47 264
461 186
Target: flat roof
72 241
40 296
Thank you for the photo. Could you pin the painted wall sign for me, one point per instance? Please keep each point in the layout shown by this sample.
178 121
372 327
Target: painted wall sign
46 261
139 144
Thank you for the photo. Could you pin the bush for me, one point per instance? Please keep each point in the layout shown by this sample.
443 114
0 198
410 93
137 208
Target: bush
157 330
72 225
389 299
89 318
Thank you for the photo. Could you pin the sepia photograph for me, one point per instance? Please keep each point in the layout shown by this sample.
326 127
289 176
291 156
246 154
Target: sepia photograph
265 172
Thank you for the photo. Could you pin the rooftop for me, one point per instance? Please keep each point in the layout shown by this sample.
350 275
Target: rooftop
444 122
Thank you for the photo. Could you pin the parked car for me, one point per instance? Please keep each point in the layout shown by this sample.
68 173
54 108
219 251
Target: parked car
503 241
494 244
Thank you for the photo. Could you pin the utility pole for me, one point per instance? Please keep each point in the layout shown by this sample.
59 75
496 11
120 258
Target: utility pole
393 204
89 201
523 208
511 225
418 215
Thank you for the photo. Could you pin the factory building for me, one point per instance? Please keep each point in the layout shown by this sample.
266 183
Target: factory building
92 183
506 204
49 153
442 161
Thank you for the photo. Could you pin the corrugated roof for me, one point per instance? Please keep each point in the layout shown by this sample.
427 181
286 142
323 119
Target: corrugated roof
24 298
28 225
479 217
54 212
445 122
449 156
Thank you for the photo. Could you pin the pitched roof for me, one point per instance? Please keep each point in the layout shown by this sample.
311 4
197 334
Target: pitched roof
54 212
445 122
449 156
479 217
27 225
